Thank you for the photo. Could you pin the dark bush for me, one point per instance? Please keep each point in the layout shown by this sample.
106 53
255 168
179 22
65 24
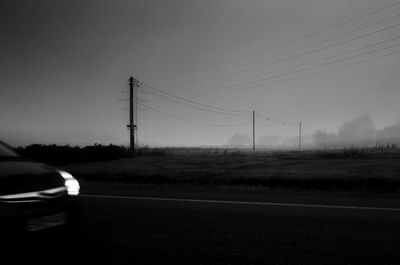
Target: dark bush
58 155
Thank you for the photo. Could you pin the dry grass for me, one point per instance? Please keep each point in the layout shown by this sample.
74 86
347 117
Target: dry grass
355 169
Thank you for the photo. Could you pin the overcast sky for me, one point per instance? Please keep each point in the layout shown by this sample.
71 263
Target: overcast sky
65 67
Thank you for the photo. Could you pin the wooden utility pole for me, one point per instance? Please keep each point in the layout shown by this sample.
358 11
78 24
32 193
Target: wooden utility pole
300 135
136 96
254 131
132 83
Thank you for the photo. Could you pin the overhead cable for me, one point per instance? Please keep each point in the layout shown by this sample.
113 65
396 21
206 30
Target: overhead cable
193 122
314 33
294 50
197 103
306 69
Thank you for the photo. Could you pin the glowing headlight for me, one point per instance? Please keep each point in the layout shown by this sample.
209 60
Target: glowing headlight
71 183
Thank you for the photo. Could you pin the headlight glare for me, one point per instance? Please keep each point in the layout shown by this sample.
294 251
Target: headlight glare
71 183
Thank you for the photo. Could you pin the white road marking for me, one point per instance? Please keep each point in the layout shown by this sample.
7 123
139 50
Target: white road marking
304 205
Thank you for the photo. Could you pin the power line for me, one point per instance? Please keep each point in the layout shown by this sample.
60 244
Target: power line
312 34
213 125
196 103
267 125
326 57
323 48
276 121
330 69
301 70
335 68
336 61
184 103
193 122
174 100
291 51
258 114
326 29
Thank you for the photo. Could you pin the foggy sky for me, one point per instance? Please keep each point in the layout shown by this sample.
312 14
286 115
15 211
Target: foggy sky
65 64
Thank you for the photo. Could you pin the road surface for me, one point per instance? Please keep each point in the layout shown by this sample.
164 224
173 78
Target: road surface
144 224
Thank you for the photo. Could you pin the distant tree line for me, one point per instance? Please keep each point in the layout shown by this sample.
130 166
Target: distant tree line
360 132
58 155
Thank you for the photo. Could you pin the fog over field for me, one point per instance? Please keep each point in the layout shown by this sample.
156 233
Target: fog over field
359 132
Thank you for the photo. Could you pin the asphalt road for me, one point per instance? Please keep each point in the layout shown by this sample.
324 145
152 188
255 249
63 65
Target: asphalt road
144 224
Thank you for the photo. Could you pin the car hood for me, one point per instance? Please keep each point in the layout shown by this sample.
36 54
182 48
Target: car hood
19 176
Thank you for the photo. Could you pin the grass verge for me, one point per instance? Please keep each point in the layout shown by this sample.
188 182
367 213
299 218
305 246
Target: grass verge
333 170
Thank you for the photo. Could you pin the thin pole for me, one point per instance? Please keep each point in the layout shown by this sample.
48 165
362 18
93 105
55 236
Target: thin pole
300 135
136 116
254 131
131 115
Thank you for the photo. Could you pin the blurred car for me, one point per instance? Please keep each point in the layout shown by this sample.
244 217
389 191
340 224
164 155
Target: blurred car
36 201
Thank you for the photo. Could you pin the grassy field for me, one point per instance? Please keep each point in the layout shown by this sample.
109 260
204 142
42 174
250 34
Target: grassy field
344 169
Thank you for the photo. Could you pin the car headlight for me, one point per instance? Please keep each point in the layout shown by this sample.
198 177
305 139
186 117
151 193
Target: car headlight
71 183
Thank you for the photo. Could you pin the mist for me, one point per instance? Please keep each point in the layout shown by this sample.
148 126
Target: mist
359 132
241 140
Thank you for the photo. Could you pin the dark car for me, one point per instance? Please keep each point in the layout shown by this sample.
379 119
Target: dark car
39 205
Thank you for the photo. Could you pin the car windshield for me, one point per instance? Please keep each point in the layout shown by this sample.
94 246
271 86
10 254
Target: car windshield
6 151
